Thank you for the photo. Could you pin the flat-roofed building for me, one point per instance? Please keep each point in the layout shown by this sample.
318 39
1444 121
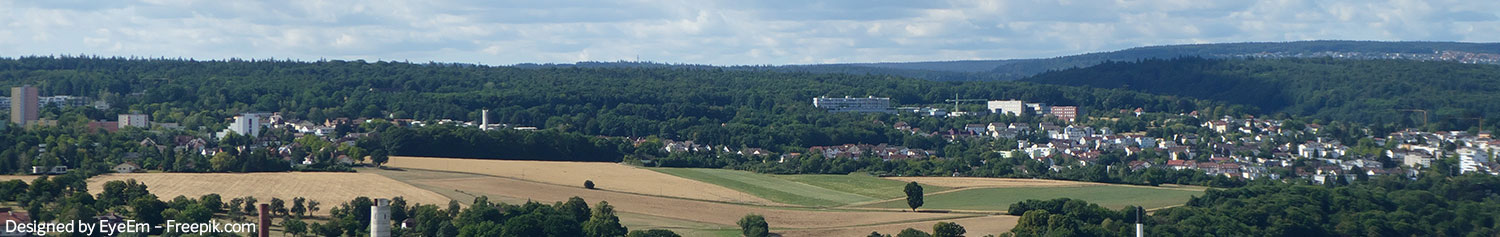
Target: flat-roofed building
135 120
1013 107
1065 113
852 104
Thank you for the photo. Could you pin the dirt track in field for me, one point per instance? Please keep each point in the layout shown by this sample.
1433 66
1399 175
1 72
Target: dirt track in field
609 176
330 189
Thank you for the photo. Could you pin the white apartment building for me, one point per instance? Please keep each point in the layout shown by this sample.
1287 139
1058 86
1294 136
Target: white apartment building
850 104
1014 107
135 120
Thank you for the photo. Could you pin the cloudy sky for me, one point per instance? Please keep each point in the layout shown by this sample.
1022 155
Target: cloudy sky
731 32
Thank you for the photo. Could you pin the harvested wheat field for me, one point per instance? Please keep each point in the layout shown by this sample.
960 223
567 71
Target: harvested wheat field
974 226
676 208
330 188
973 182
607 176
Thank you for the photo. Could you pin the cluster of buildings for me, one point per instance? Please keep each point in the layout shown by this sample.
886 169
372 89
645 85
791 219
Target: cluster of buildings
882 151
1017 107
849 151
1260 146
873 104
1444 55
1475 152
25 105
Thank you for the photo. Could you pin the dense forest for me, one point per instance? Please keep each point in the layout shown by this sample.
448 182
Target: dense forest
1454 95
714 106
1434 205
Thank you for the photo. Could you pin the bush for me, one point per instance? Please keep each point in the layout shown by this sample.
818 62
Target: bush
652 233
947 229
910 232
754 226
589 184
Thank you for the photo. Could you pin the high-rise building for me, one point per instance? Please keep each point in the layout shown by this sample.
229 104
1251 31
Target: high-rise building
1014 107
23 106
245 124
135 120
849 104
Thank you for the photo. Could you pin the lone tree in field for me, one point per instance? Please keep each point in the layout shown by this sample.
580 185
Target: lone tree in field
753 225
913 195
589 184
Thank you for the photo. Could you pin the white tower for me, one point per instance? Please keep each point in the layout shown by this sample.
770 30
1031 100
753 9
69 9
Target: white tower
380 218
484 119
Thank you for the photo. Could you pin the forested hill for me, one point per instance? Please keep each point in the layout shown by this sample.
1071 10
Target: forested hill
1013 69
712 106
1454 94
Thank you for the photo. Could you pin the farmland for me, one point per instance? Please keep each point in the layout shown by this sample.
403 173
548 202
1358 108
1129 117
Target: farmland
974 182
773 188
608 176
690 216
803 190
999 199
708 202
327 188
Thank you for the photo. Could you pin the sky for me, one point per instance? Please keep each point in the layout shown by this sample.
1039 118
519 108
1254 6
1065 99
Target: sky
733 32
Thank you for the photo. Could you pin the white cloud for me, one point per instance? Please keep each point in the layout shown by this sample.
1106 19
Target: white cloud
711 31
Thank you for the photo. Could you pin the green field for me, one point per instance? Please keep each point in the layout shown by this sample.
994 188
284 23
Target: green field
804 190
859 183
999 199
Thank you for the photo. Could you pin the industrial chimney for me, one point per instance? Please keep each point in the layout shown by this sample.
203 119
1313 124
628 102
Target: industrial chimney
265 220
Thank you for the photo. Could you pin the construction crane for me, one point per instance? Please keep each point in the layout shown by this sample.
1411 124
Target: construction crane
1424 115
957 100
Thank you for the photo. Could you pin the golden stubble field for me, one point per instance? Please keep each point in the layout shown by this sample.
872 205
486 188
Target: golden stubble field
330 188
647 208
607 176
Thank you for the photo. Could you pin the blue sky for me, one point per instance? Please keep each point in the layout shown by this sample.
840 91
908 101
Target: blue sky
705 31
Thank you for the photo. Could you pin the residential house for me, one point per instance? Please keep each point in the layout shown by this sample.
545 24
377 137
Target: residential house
127 167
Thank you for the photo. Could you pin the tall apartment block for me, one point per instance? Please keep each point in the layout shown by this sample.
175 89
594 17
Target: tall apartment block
23 106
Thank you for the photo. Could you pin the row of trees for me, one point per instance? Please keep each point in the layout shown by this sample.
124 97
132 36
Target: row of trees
1433 205
64 198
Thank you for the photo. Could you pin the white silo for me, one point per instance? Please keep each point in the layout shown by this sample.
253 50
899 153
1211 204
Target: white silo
380 218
